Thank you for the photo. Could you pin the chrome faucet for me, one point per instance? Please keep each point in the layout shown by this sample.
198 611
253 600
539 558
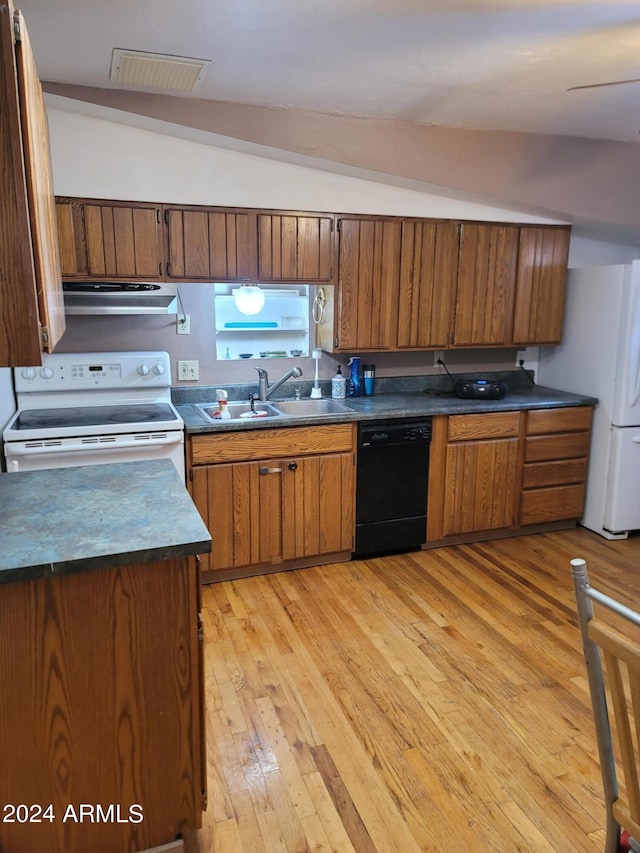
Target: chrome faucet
264 389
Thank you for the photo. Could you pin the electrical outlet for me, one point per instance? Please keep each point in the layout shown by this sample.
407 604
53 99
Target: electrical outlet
188 370
439 353
521 356
183 324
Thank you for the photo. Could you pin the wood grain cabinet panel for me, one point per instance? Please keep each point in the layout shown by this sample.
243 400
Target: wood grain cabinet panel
102 704
274 497
318 505
552 504
428 274
296 247
110 241
555 465
30 276
561 446
566 419
211 244
369 269
483 314
488 425
543 255
481 486
473 474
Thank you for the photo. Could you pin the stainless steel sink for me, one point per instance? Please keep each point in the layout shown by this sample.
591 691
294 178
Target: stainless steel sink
239 412
308 408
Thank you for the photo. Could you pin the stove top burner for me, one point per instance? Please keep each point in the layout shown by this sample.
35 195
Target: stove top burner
144 413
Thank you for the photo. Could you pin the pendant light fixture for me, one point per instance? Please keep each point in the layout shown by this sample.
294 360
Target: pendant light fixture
249 299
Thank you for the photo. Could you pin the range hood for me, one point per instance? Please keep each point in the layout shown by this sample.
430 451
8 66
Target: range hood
128 297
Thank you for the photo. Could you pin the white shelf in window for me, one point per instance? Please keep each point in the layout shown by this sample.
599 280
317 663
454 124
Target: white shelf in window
260 330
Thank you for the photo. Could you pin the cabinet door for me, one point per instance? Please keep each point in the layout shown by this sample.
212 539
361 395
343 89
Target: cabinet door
109 241
480 492
241 503
211 244
540 292
428 273
30 281
369 272
486 285
44 234
124 241
295 247
318 505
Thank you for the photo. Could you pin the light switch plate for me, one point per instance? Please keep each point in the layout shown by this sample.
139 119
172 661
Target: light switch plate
188 370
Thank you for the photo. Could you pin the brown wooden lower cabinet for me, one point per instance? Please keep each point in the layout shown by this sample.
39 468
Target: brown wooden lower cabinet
476 487
101 709
505 472
556 450
273 499
282 498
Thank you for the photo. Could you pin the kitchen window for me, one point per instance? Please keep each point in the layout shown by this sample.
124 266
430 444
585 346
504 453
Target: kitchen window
280 329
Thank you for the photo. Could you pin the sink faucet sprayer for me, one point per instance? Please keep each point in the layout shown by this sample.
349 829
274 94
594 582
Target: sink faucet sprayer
264 389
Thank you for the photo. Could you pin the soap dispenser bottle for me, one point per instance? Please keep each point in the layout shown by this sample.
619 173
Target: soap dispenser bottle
354 377
338 385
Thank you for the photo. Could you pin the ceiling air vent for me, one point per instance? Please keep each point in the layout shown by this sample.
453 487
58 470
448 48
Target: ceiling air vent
157 70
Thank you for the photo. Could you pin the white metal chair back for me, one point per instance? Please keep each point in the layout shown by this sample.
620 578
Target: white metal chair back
608 651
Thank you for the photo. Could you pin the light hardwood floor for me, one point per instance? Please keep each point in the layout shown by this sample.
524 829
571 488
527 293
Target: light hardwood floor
430 701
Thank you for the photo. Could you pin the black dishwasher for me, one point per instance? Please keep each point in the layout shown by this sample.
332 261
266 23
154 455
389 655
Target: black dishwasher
392 481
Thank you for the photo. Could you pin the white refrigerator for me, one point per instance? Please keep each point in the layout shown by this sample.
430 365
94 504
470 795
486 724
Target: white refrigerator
600 356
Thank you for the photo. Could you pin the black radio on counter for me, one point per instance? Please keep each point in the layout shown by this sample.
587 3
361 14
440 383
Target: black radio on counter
481 389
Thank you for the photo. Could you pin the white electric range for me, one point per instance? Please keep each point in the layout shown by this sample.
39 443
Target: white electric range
93 408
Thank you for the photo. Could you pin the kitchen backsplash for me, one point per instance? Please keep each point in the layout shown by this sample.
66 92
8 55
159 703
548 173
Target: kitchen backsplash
123 333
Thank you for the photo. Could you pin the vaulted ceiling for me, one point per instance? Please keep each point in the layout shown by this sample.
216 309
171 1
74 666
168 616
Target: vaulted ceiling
477 95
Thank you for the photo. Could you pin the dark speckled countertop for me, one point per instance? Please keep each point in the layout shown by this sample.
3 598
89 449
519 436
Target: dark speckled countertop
398 398
67 520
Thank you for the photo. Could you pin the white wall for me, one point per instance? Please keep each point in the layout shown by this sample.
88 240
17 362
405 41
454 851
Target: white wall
595 253
94 157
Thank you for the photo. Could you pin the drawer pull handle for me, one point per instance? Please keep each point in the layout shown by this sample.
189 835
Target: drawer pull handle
265 471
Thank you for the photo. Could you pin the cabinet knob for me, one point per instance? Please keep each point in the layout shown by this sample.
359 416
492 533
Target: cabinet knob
293 466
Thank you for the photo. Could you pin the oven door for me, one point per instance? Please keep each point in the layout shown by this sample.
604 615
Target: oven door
36 454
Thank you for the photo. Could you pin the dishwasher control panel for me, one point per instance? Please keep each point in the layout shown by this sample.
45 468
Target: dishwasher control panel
398 432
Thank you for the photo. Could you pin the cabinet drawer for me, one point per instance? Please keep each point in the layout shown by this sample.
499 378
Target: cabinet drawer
557 503
567 445
554 473
271 443
498 425
570 419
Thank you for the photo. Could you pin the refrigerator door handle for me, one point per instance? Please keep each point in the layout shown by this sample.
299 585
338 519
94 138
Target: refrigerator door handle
636 439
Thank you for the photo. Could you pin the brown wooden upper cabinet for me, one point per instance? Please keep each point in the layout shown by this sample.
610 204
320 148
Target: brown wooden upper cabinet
511 285
211 244
296 247
30 277
401 283
428 276
445 284
110 240
369 263
487 268
540 290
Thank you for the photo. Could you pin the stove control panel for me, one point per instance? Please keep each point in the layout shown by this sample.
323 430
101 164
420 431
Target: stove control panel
86 371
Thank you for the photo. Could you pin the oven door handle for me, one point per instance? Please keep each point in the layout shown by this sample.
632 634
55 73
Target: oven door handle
50 448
